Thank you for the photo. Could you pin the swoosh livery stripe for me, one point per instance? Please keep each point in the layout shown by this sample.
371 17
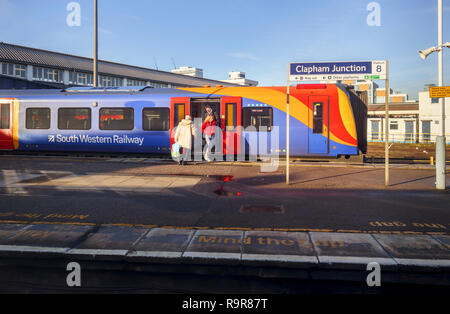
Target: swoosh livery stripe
277 99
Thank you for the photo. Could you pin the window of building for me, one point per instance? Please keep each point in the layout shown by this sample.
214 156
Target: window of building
45 74
258 117
74 118
426 131
434 100
158 85
375 130
136 83
18 70
116 119
155 119
38 118
78 78
108 81
393 125
7 69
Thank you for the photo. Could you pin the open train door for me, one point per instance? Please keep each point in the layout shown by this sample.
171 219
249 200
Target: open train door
231 122
179 108
319 134
6 125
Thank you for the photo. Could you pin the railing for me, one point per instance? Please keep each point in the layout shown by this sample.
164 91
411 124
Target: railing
406 137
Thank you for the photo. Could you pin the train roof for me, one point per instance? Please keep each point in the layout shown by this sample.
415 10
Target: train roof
141 90
131 90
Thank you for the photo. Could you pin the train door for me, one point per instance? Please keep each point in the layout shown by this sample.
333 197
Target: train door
231 108
179 108
318 139
6 132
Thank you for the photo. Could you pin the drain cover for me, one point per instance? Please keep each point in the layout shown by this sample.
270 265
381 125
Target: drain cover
273 209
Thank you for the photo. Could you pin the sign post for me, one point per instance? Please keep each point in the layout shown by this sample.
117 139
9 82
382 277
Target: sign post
386 144
338 71
288 115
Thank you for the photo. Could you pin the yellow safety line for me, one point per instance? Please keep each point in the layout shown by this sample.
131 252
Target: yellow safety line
222 228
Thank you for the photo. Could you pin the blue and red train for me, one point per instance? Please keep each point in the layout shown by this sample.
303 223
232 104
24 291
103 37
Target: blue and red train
325 119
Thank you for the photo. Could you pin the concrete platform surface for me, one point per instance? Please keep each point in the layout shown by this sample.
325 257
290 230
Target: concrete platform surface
280 251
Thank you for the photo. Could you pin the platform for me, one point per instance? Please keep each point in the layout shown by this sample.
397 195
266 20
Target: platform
315 256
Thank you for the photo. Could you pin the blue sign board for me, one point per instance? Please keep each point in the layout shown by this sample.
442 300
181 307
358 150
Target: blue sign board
338 70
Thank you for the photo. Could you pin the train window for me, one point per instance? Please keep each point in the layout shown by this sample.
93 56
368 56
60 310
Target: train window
258 117
178 113
116 119
4 122
231 117
38 118
74 118
155 119
317 118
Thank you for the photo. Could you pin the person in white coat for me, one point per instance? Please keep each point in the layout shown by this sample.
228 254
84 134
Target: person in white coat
183 136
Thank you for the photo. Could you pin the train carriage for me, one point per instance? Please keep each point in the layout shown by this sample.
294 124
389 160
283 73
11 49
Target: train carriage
325 119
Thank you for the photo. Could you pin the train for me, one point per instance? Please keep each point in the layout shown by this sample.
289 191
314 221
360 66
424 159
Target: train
326 120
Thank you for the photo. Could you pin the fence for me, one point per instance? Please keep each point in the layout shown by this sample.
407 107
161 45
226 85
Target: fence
422 138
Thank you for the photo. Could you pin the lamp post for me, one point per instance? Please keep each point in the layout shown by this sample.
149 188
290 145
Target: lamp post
440 140
95 44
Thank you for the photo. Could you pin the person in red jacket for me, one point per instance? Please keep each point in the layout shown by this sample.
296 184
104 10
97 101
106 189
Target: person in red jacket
209 130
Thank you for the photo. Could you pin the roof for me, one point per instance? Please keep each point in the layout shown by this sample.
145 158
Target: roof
45 58
409 106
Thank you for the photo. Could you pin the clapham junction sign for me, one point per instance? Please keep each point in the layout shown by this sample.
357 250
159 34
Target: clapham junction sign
332 71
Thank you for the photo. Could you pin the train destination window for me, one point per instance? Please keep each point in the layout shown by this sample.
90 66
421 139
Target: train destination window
74 118
38 118
116 119
4 122
155 119
318 118
258 117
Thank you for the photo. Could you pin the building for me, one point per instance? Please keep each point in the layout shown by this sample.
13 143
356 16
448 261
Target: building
237 77
430 115
196 72
403 123
365 86
25 67
394 97
409 122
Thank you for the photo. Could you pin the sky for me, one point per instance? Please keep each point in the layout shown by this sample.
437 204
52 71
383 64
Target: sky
258 37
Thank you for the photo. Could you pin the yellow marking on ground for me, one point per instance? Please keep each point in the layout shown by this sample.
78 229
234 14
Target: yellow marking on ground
130 225
349 231
220 228
436 233
60 223
231 228
14 222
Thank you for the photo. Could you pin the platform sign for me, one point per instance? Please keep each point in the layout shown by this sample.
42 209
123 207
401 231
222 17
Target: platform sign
332 71
440 92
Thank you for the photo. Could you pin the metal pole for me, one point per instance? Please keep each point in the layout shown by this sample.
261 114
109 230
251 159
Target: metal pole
386 146
95 44
440 140
287 123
